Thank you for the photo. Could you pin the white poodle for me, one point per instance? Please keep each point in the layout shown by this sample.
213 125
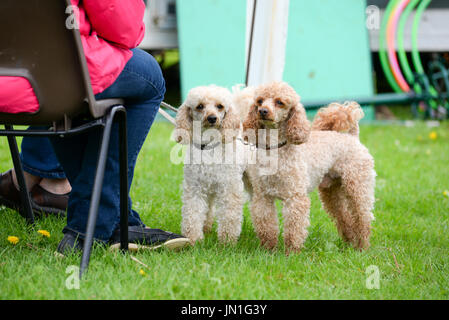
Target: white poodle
213 167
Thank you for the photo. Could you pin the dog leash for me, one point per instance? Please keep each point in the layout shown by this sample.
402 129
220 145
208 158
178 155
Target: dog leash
169 107
165 114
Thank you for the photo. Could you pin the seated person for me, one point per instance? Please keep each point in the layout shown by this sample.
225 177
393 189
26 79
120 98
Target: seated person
110 31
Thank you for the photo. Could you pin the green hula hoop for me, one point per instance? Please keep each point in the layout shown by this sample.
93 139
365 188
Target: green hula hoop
383 55
415 53
401 51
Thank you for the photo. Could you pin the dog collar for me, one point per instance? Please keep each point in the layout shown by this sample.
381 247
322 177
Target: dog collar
206 146
278 146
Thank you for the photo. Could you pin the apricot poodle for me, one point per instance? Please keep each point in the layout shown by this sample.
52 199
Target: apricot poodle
326 154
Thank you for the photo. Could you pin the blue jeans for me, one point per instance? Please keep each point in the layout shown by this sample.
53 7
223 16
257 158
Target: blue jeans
142 86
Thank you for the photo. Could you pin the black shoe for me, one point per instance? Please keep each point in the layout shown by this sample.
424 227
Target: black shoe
9 194
48 203
140 238
70 243
42 201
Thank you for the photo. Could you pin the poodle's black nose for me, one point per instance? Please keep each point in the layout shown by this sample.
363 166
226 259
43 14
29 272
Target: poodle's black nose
212 119
263 112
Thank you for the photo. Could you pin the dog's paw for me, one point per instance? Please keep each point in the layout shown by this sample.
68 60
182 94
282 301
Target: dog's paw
207 229
228 239
289 251
269 244
193 237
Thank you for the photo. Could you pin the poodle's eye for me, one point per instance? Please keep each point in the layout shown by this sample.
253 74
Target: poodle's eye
259 101
220 107
280 103
200 107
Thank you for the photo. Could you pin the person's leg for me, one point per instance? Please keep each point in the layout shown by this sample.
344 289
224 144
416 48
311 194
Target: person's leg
72 157
44 177
41 166
38 161
142 86
38 158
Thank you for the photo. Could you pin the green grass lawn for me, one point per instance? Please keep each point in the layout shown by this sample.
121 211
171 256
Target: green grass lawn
410 238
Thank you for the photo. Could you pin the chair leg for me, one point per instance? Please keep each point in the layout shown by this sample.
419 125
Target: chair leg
98 185
96 194
26 208
123 181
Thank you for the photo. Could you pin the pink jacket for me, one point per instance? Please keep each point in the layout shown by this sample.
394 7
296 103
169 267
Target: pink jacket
109 29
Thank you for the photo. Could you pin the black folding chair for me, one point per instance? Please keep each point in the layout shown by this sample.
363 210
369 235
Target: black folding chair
36 44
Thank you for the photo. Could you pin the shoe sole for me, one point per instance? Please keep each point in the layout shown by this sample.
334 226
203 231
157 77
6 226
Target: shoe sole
8 204
37 210
174 244
12 206
47 211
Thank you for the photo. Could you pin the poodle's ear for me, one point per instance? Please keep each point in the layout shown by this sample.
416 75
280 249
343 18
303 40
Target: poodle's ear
183 130
250 125
251 121
230 126
298 126
231 120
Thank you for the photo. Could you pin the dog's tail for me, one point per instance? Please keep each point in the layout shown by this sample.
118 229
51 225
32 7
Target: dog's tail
243 98
339 117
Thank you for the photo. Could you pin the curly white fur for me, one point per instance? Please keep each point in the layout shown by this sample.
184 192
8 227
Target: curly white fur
212 176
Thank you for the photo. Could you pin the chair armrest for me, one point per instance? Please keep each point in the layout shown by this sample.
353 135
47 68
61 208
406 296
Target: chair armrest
100 107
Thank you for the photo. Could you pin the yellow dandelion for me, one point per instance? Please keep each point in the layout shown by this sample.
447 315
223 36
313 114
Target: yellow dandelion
13 240
433 135
142 273
44 233
446 193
